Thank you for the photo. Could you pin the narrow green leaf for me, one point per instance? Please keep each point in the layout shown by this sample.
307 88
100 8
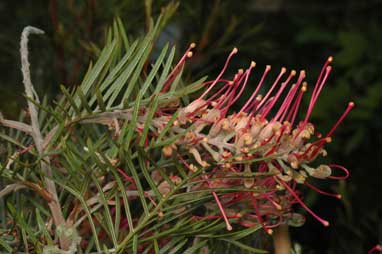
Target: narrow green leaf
146 174
122 33
167 127
244 246
90 245
243 233
179 167
12 140
107 214
122 191
117 214
93 74
155 103
178 247
172 139
70 98
170 244
147 157
189 89
176 81
42 227
156 246
136 64
142 92
25 239
135 244
196 247
84 103
169 218
18 216
100 100
87 211
146 52
205 226
192 202
148 249
115 79
138 183
6 246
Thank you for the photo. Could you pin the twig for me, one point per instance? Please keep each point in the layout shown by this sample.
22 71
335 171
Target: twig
54 205
15 125
11 187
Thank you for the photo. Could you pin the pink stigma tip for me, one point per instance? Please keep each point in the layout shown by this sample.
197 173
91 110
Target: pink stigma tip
235 50
192 45
229 227
351 104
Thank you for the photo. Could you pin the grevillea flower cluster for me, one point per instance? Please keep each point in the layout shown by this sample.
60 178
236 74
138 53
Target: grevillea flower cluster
253 160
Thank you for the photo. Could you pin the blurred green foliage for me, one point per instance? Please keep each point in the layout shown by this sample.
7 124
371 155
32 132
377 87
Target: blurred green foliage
295 33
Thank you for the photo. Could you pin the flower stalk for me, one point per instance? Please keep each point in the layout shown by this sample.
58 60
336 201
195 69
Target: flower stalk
281 240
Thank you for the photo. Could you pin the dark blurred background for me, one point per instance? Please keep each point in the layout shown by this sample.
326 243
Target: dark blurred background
298 34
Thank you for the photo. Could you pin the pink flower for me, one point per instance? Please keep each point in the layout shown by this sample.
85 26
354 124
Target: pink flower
254 160
263 137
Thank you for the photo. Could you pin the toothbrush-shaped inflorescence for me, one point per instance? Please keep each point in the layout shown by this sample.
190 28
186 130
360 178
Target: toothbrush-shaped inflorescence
262 152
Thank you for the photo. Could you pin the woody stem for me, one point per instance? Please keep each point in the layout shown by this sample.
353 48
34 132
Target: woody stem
281 240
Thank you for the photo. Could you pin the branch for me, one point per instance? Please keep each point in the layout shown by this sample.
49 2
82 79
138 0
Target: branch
54 204
29 89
